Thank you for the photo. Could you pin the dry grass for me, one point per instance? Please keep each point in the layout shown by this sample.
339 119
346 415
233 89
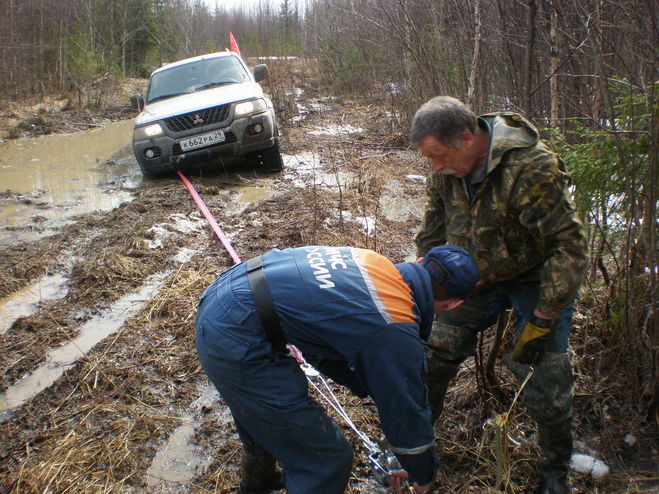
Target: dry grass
118 404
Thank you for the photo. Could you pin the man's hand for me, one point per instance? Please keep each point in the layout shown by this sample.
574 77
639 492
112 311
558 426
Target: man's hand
397 480
532 343
422 489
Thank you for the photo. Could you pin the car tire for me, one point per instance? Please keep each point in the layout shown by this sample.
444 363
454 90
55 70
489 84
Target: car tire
271 158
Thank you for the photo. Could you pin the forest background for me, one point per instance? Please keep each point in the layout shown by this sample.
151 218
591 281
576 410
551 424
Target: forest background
585 71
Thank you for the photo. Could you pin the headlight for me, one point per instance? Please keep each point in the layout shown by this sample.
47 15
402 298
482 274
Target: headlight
251 106
143 133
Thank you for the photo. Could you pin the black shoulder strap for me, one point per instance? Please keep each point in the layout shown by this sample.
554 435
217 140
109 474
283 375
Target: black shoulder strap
264 306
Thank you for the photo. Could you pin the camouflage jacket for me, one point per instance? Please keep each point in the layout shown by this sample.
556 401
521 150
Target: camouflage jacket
520 223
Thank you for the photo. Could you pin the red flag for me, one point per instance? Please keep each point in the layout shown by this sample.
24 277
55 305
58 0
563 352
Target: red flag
233 44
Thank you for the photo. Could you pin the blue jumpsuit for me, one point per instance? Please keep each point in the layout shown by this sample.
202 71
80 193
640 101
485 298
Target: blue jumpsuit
349 307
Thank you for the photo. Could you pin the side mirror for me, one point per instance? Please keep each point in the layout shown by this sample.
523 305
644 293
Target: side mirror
260 72
137 102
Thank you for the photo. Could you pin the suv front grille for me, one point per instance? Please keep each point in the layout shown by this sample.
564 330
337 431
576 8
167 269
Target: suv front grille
199 118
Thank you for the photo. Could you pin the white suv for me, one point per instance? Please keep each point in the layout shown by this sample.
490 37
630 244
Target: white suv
205 112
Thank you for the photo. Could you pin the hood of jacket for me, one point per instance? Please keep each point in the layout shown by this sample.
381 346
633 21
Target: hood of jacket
509 131
418 279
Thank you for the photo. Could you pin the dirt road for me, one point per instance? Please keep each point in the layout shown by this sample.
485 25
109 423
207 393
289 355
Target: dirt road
101 388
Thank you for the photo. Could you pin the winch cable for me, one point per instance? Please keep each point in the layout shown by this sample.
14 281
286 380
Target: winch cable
312 376
381 461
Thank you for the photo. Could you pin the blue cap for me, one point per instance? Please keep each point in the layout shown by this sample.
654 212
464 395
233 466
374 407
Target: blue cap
459 272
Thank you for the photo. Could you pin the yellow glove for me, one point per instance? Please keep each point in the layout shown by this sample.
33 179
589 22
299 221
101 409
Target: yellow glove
531 344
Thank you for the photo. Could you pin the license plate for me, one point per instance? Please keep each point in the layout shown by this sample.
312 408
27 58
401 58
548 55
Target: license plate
202 140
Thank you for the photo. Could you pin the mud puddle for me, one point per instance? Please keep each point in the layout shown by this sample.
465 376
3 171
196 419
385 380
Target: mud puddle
25 302
180 459
258 191
47 180
396 205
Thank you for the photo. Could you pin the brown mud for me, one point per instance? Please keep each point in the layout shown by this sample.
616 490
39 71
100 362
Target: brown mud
349 180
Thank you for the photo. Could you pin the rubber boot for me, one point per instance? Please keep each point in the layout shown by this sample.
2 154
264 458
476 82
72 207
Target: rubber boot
259 473
556 444
548 398
439 374
446 349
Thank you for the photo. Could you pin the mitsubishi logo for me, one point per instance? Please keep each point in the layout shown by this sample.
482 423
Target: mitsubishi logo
197 120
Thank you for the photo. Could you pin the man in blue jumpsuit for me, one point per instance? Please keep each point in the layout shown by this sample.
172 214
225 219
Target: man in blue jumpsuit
363 320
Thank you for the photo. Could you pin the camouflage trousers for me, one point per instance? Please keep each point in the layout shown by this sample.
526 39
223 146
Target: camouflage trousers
548 394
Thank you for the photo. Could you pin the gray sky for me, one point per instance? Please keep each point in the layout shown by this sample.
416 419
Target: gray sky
247 3
229 3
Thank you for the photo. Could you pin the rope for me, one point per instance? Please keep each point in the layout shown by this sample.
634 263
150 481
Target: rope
209 217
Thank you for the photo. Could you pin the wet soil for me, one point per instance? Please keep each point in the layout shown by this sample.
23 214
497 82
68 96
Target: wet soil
126 407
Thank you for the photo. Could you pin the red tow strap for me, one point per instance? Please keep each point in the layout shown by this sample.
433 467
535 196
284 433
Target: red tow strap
209 217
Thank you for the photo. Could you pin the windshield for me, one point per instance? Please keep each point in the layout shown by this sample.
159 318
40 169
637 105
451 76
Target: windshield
195 76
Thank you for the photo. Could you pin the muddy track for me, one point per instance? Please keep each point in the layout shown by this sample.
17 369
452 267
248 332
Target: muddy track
135 413
102 424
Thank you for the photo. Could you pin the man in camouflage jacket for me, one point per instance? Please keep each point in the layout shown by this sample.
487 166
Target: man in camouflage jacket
499 192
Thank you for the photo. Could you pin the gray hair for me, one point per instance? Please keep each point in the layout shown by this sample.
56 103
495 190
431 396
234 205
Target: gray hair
445 118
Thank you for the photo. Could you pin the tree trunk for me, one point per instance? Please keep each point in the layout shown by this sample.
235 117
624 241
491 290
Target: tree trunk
530 49
553 80
471 91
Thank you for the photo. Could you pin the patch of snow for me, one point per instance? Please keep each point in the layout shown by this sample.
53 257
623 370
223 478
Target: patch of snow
179 223
318 106
393 88
185 254
187 224
367 223
304 162
587 464
289 58
332 130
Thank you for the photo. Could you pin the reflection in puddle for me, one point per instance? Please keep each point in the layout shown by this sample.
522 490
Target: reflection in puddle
73 174
402 208
64 357
24 302
254 193
396 205
178 461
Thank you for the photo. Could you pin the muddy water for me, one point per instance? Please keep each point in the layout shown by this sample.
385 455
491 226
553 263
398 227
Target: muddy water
396 205
180 458
51 178
25 302
254 192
